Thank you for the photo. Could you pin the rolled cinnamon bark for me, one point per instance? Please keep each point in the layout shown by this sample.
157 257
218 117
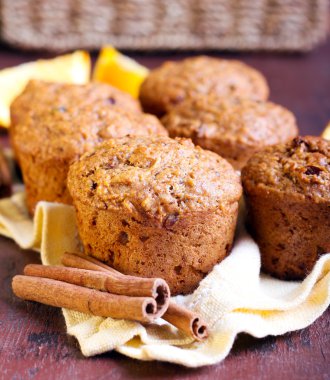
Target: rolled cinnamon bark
103 304
186 321
139 286
79 260
107 281
178 316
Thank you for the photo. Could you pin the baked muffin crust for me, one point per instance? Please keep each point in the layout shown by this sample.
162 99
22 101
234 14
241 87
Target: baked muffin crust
156 208
62 120
156 176
301 167
53 124
5 177
233 128
173 82
287 191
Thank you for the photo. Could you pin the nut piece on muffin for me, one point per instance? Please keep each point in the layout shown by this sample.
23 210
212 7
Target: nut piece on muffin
233 128
173 82
53 124
287 191
156 207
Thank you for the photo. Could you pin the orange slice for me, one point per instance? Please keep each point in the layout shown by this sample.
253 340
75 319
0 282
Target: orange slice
326 132
69 68
120 71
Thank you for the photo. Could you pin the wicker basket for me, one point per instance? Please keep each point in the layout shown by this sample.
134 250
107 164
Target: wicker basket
295 25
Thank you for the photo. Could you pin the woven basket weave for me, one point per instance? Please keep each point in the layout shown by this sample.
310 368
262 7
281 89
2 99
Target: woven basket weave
295 25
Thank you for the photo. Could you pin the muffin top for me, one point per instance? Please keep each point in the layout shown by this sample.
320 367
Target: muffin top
40 95
63 120
155 177
242 121
172 82
301 166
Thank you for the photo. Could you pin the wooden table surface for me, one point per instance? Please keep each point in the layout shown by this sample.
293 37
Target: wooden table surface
33 340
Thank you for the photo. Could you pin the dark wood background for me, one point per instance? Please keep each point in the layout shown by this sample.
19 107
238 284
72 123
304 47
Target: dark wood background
33 340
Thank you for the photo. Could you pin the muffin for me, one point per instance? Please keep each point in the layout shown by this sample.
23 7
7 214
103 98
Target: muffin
5 177
233 128
53 124
39 93
156 207
173 82
287 192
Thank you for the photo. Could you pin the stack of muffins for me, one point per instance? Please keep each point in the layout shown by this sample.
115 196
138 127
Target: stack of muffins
53 124
160 198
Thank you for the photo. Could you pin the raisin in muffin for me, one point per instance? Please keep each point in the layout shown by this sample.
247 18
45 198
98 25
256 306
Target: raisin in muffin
287 190
53 124
233 128
173 82
156 207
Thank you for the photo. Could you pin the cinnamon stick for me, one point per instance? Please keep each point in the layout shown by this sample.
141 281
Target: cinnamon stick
186 321
103 304
107 281
178 316
139 286
79 260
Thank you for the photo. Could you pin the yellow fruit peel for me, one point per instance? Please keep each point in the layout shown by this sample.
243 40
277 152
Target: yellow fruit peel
326 132
70 68
120 71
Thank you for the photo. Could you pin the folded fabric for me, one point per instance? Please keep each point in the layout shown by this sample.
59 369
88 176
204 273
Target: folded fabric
233 298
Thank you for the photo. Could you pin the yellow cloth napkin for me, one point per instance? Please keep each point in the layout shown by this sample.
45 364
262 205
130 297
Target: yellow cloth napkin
233 298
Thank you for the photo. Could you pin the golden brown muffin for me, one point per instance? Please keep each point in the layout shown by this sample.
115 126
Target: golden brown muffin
287 191
173 82
233 128
156 207
54 124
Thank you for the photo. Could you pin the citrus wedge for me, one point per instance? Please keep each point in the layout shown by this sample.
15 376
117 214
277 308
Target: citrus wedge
120 71
69 68
326 132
